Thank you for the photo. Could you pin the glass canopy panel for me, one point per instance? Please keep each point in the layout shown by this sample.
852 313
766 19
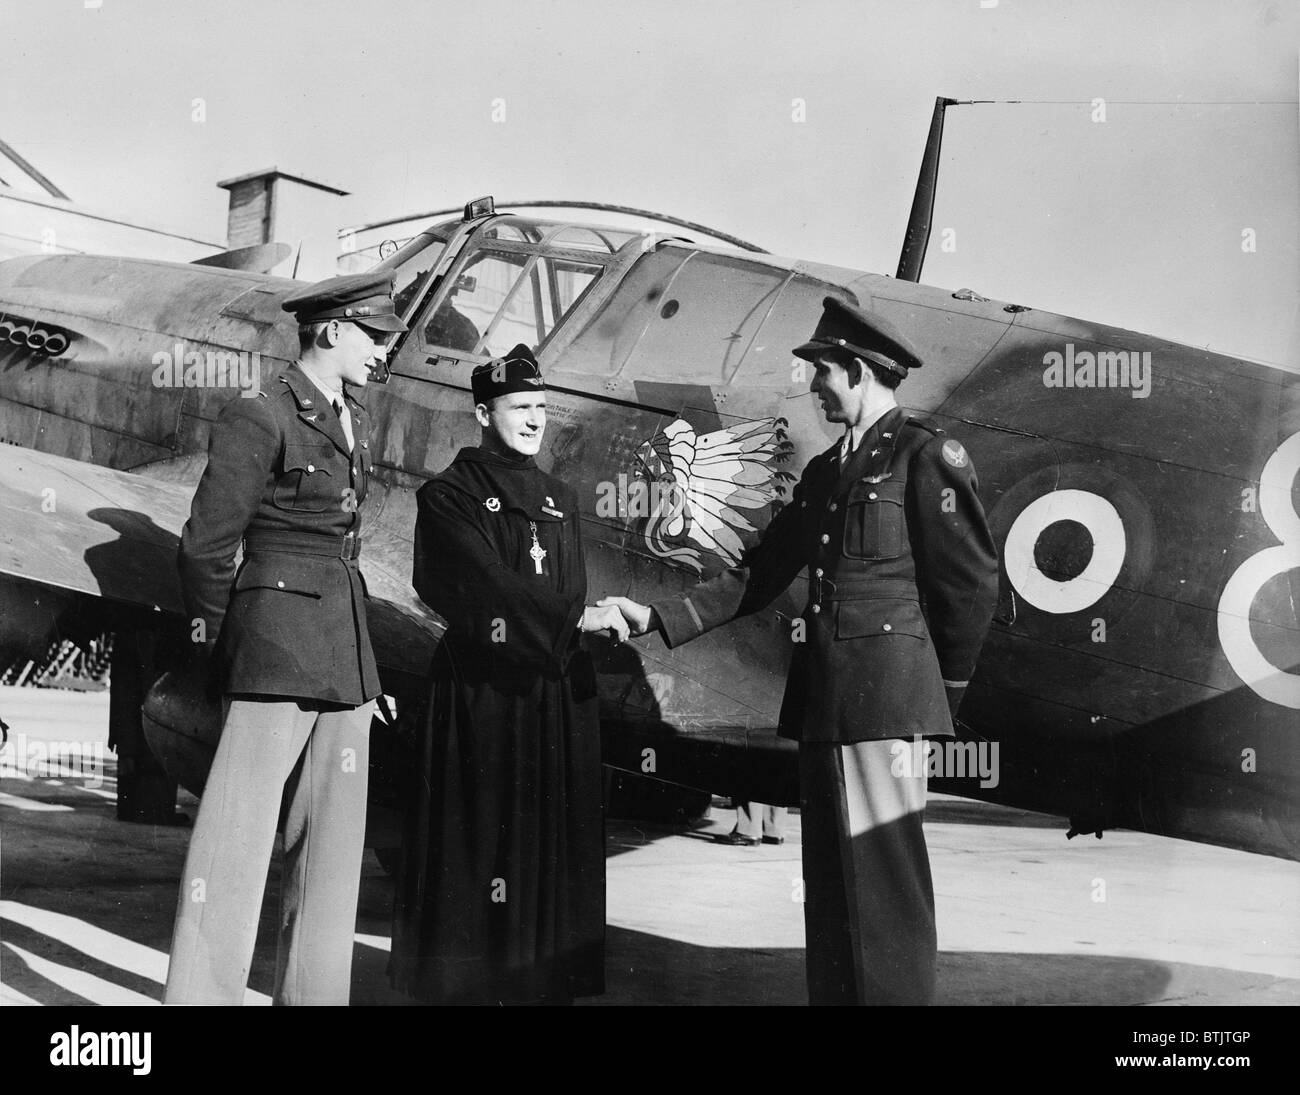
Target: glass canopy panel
411 267
581 237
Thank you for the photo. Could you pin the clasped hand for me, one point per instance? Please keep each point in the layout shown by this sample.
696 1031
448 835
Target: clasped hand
638 617
605 619
620 616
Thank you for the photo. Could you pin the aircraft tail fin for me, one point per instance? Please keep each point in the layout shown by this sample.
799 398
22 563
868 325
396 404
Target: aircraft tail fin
261 258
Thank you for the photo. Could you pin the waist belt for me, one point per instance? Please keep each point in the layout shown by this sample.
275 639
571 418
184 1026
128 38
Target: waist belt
304 543
822 589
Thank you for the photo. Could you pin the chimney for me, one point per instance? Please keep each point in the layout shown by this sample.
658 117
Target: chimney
274 206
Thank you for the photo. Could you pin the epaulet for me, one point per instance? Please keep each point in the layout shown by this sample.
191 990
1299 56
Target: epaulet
285 389
922 424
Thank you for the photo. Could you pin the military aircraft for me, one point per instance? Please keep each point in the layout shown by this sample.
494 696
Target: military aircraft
1143 669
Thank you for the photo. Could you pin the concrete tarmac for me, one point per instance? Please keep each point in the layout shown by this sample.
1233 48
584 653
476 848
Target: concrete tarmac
1025 917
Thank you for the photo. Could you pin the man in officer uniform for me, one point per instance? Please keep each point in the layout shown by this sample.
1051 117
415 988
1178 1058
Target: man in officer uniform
902 577
286 634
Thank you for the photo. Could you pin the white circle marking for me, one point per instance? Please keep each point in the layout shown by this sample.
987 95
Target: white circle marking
1109 545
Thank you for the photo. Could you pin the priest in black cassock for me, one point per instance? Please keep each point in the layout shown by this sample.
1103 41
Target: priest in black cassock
501 888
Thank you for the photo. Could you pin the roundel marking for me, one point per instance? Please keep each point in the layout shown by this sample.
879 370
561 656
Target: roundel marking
1086 588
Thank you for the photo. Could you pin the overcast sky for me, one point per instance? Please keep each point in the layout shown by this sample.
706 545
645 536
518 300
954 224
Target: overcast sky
693 108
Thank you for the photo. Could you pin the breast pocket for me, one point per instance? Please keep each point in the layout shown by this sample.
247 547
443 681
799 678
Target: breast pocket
873 520
305 483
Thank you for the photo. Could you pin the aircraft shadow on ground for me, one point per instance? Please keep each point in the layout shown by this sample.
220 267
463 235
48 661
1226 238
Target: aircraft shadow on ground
643 968
964 811
649 969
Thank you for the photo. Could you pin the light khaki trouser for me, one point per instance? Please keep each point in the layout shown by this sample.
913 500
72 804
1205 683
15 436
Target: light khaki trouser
319 760
868 897
757 819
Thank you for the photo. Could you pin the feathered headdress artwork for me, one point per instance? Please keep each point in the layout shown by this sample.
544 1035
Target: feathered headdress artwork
701 483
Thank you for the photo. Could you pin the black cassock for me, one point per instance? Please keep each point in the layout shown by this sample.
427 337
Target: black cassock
501 888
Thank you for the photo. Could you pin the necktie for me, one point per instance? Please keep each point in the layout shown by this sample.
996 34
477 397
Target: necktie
344 419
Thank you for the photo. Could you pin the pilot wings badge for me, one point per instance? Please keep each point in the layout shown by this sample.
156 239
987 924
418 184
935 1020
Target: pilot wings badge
700 484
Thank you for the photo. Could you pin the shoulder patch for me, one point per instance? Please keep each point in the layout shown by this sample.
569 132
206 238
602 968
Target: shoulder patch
953 453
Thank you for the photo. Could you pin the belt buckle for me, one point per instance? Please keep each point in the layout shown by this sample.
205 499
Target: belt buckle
349 547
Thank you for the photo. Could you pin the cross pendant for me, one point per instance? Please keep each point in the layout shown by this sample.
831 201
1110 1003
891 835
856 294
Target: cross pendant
536 552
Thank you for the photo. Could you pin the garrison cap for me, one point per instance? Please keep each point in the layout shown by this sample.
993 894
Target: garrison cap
364 299
847 327
516 372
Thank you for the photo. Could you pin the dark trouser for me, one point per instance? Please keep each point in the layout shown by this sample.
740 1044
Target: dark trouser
319 759
868 898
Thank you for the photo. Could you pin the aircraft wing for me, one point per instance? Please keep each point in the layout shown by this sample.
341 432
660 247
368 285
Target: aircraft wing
90 529
113 534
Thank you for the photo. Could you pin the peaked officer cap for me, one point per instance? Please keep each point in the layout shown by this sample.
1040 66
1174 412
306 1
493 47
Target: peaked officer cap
364 299
847 327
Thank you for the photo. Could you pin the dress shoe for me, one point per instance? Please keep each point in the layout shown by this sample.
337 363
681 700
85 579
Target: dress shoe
738 839
774 840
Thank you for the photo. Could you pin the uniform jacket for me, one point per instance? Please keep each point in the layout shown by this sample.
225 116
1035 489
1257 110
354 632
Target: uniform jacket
292 620
902 581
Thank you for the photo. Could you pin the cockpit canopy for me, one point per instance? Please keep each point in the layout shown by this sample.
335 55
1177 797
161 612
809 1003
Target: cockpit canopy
517 284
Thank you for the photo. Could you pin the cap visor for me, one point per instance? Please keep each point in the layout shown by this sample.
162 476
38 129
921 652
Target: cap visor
809 350
388 323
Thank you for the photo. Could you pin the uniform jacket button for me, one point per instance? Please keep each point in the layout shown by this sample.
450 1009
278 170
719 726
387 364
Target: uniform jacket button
834 507
819 572
311 467
872 496
889 627
816 608
279 585
826 537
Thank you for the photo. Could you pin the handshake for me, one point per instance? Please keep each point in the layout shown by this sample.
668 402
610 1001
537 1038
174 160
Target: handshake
619 616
